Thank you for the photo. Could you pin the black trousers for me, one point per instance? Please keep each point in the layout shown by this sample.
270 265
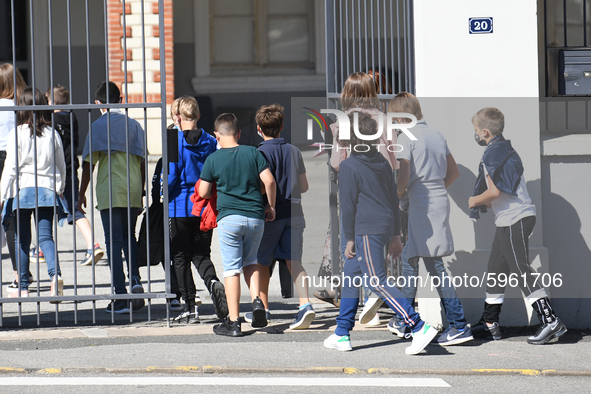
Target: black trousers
11 228
190 244
509 257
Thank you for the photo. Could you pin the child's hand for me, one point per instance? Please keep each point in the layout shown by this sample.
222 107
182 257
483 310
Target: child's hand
350 249
81 202
395 247
269 213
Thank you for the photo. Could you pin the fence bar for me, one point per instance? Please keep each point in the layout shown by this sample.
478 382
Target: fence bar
74 157
93 272
565 23
347 34
165 168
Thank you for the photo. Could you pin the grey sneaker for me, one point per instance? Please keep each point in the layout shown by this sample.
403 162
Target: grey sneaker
453 336
137 288
547 332
481 329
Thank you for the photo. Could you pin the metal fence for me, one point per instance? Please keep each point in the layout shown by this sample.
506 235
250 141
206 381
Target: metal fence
370 35
96 288
367 36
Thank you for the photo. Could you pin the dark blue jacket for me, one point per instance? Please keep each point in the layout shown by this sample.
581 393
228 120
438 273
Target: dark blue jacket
504 167
368 196
194 148
286 164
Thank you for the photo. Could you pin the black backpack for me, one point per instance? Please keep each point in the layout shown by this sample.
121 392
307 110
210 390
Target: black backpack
156 215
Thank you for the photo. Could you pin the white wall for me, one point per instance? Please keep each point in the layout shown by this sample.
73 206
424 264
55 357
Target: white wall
450 62
458 73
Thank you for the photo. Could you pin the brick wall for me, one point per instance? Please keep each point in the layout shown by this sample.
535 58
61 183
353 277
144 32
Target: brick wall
132 89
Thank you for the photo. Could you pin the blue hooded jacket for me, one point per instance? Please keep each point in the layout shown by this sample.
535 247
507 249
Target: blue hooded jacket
368 196
194 148
504 167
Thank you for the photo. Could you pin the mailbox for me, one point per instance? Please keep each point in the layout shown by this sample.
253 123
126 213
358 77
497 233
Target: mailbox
574 72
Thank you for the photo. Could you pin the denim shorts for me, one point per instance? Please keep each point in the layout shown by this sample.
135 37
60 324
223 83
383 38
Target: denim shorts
282 239
240 237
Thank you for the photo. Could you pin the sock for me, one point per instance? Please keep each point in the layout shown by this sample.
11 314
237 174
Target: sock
491 312
544 309
303 306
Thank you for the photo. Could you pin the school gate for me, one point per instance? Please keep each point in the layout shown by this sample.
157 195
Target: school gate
77 45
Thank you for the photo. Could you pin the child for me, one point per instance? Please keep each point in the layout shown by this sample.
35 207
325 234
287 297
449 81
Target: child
69 134
283 237
38 185
237 172
112 178
427 168
501 184
188 242
9 87
371 220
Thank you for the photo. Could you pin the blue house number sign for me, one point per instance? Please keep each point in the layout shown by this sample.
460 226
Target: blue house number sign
481 25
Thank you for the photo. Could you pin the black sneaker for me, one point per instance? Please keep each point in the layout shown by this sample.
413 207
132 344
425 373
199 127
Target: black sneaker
229 328
137 288
218 297
547 332
259 315
187 317
483 330
121 307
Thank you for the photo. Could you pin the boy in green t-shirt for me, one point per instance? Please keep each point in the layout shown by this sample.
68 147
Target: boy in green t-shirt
237 171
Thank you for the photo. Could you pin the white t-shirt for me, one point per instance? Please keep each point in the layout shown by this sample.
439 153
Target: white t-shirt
509 209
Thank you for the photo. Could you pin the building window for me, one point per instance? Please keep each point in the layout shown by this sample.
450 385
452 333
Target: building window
261 33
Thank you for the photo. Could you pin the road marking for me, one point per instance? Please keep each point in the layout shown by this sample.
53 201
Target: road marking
221 381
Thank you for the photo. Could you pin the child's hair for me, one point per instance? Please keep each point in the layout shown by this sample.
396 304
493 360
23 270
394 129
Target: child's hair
366 126
407 103
359 92
114 93
36 120
7 73
226 125
382 87
61 95
490 118
270 119
188 108
174 110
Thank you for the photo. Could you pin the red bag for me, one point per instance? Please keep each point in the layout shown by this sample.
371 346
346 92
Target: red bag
206 208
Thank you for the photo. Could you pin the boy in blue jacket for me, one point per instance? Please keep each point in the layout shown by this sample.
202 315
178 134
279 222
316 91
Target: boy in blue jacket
188 242
501 185
371 220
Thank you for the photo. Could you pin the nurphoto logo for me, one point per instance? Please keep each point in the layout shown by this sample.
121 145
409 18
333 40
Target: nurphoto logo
388 123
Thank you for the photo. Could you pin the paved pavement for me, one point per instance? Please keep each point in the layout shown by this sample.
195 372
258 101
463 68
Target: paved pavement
72 339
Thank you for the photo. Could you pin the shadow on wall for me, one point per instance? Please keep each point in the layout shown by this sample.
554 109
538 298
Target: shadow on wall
569 255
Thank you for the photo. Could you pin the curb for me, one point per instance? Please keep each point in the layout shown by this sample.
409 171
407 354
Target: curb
287 370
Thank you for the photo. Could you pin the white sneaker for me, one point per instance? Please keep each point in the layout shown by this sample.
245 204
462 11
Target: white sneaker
375 321
421 339
370 309
342 343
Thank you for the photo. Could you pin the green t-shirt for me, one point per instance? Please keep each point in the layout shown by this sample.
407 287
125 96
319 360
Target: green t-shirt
118 178
235 171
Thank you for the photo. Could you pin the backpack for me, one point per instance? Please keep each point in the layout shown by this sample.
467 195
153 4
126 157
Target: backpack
156 215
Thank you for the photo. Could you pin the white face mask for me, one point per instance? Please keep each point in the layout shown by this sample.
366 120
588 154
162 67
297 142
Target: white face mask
260 134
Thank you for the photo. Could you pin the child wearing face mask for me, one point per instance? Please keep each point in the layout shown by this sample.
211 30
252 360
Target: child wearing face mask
501 186
116 143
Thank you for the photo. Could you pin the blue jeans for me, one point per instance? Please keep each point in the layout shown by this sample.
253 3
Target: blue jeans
46 243
120 244
454 312
368 266
240 237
